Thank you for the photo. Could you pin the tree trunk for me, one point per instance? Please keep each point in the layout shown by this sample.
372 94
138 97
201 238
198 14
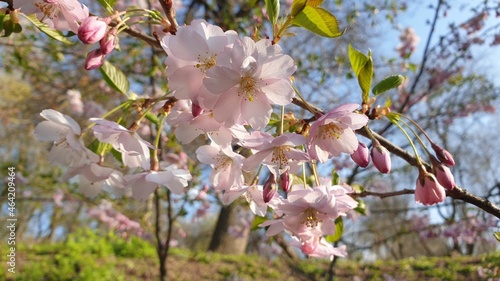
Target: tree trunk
232 229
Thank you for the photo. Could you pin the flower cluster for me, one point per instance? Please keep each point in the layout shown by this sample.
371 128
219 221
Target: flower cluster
69 151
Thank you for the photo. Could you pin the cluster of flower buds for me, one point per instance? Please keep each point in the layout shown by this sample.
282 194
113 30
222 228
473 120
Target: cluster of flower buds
93 30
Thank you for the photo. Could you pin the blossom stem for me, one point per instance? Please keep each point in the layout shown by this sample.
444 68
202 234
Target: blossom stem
312 110
315 172
418 127
395 122
282 119
124 105
418 138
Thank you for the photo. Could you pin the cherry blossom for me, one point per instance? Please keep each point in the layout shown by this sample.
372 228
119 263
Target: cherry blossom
92 29
251 77
145 183
361 156
381 159
134 150
58 14
64 132
333 133
226 166
278 154
428 190
191 52
318 247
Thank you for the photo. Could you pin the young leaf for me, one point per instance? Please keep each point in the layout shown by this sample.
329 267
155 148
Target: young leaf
319 21
388 83
52 33
8 26
314 3
273 10
362 65
357 59
152 118
114 77
256 221
107 4
297 7
339 230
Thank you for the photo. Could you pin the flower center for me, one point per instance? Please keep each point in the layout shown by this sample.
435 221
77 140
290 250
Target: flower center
311 218
221 163
206 63
48 8
278 157
329 131
247 86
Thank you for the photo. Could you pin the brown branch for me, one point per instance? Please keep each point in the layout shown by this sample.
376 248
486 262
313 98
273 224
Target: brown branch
382 195
458 192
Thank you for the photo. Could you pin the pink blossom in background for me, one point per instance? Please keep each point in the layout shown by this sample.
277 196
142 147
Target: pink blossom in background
134 150
62 15
409 41
75 102
333 133
248 79
115 220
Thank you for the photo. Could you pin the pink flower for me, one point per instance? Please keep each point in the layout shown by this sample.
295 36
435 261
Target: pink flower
248 80
333 133
409 41
134 150
94 59
75 101
361 156
278 154
108 43
143 184
64 132
191 52
428 190
443 175
92 30
318 247
58 14
381 159
226 166
443 155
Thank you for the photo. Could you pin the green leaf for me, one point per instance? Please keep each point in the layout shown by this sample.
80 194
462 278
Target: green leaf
52 33
335 177
339 230
319 21
107 4
8 26
273 10
388 83
17 28
357 59
114 77
100 148
362 65
497 236
314 3
361 208
2 16
297 7
256 221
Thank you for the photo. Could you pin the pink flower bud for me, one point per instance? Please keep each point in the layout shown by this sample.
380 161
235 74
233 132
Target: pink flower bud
92 30
108 42
196 110
443 155
381 159
428 190
94 59
269 189
285 181
361 156
444 176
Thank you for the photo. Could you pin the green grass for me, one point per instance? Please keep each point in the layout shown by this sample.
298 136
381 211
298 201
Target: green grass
88 256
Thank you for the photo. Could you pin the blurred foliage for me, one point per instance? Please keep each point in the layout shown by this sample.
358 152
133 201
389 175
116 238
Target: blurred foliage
90 255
